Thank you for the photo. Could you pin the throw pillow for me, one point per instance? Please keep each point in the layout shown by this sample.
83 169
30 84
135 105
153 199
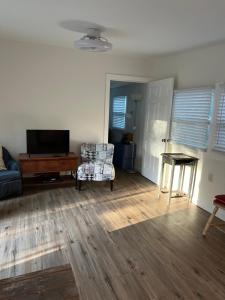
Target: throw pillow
2 164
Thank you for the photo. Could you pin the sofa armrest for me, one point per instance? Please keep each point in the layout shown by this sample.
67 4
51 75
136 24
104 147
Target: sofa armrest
12 165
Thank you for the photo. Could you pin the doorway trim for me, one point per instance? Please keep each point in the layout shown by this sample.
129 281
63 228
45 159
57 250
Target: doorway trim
116 77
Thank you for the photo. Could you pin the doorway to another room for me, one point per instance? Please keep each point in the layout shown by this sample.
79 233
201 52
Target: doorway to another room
126 123
138 114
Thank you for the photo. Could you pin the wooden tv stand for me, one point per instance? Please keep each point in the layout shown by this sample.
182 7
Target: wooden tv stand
34 164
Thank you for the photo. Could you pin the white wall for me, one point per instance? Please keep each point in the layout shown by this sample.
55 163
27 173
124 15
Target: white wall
48 87
196 68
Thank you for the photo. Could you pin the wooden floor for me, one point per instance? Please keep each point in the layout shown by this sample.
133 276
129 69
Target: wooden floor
125 244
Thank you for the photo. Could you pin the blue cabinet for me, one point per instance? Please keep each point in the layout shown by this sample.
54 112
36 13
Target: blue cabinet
124 156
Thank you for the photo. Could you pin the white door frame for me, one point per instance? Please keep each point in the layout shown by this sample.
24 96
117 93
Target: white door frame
117 77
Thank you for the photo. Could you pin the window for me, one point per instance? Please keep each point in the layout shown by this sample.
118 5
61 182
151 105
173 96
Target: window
191 117
219 143
119 112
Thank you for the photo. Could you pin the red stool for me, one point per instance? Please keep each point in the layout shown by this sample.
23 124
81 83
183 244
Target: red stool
218 202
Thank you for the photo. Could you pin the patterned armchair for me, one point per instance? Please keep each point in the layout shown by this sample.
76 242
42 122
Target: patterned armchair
96 163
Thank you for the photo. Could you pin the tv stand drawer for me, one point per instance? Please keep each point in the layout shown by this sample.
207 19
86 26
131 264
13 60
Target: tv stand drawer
45 164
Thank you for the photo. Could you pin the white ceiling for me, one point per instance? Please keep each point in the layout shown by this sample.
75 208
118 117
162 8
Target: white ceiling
142 27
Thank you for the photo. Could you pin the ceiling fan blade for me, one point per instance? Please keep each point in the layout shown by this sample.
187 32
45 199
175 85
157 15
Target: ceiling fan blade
80 26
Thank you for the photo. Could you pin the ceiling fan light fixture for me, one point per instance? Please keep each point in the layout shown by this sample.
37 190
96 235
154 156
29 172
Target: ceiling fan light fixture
93 42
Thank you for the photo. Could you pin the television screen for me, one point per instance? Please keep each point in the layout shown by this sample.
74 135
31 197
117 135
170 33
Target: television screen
47 141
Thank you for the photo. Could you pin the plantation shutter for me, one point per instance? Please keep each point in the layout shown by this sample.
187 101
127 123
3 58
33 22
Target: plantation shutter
119 112
191 117
220 120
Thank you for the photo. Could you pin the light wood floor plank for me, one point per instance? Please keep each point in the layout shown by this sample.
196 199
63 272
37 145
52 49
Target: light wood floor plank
126 244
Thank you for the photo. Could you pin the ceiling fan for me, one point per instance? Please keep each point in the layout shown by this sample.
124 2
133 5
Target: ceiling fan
92 39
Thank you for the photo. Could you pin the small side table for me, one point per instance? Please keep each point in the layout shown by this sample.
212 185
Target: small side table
182 160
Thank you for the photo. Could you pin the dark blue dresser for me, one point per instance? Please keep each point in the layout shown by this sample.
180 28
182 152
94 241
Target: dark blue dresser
124 156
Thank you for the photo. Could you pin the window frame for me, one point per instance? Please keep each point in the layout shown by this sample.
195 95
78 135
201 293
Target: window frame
188 122
119 113
220 88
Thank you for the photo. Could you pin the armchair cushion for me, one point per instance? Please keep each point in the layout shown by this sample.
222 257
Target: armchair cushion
220 197
9 162
6 176
97 152
220 200
10 178
96 171
12 165
97 162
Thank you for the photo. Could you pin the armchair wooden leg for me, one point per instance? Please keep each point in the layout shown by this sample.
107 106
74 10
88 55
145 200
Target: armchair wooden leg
210 221
111 185
79 185
76 179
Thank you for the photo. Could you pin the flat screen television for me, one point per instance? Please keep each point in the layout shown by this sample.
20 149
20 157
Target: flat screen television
48 141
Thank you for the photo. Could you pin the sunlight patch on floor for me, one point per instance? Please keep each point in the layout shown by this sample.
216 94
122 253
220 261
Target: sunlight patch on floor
31 254
130 211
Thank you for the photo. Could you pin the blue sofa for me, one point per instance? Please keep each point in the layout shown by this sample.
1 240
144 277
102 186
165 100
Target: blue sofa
10 179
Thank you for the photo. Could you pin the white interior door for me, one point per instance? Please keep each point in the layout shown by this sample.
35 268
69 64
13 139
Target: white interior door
158 108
